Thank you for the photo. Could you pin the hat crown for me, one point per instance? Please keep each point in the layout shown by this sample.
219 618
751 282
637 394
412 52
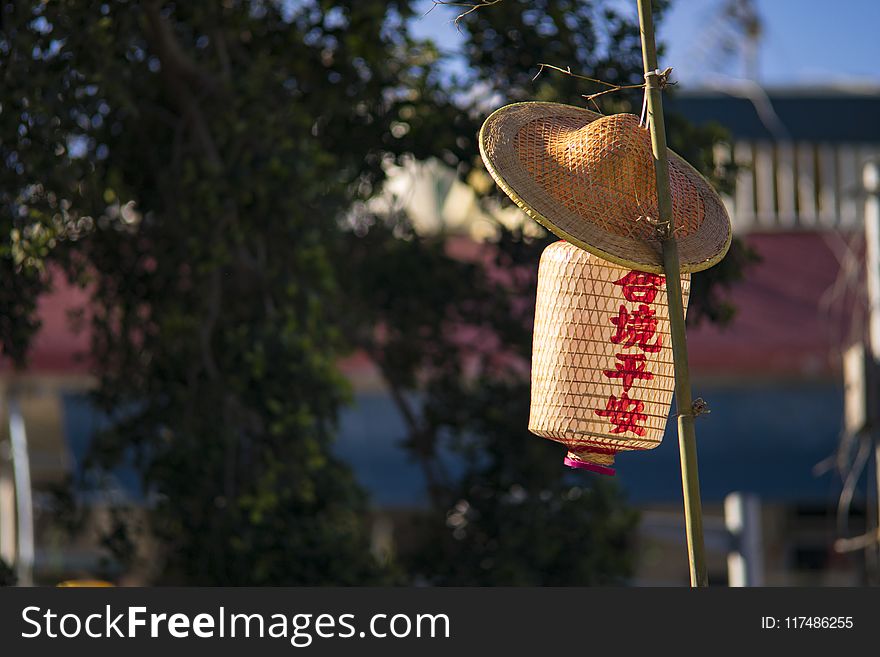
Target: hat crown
605 165
619 147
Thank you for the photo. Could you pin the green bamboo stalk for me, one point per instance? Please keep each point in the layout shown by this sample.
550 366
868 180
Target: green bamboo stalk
690 481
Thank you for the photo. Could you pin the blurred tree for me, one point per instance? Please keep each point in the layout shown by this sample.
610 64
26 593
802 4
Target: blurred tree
203 167
188 162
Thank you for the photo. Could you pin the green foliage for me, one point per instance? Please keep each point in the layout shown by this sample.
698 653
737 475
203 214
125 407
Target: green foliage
191 164
188 162
7 575
507 44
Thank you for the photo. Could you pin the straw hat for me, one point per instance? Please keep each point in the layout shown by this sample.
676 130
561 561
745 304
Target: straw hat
590 179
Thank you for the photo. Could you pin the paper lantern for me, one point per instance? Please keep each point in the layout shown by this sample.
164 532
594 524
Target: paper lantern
602 370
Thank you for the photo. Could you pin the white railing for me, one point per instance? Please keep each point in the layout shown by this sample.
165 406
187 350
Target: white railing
796 186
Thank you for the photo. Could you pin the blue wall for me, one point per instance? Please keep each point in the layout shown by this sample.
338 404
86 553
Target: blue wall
762 439
370 433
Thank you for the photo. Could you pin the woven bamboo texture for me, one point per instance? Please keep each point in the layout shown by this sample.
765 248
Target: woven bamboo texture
590 179
602 370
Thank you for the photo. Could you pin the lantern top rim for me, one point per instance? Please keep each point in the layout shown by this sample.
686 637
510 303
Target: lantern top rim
589 179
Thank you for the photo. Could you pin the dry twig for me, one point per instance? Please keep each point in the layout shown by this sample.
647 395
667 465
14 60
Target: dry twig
470 6
611 87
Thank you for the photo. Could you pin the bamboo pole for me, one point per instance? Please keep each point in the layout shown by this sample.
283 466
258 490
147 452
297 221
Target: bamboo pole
690 481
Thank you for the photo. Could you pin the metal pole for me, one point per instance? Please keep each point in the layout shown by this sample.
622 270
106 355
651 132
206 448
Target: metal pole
690 482
864 397
8 521
24 502
745 560
871 183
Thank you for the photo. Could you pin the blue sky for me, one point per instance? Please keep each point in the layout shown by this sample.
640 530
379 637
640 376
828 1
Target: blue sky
806 42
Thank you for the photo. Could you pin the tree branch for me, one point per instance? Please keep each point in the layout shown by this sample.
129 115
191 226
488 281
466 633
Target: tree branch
170 52
181 73
436 477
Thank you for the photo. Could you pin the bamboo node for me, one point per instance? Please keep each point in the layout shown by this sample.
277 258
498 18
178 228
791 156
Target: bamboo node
663 229
700 407
662 77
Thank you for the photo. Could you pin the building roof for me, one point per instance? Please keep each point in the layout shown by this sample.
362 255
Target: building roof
809 114
793 315
795 311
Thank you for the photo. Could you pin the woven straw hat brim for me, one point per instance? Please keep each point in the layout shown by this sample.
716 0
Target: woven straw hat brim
698 250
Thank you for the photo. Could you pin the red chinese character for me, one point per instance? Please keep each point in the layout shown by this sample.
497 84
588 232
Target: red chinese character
624 413
640 286
630 368
636 328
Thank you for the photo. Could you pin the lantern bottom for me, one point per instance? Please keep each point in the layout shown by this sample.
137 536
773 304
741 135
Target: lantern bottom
592 461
